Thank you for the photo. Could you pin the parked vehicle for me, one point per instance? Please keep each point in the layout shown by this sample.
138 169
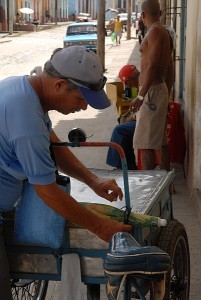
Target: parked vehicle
124 17
133 17
84 34
83 17
110 15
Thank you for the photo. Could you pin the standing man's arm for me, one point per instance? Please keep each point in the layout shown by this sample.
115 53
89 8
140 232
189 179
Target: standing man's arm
122 25
169 76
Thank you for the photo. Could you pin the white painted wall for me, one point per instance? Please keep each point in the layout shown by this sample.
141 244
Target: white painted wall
193 94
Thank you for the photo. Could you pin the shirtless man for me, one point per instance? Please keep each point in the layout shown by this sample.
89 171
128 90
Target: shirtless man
151 104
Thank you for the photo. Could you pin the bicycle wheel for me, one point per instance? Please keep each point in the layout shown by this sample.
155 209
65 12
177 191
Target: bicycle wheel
173 240
24 289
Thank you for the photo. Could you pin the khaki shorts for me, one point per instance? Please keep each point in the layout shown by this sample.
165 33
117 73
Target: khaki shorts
118 33
150 131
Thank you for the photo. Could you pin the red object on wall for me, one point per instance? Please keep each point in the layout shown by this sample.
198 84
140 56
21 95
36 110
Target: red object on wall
175 136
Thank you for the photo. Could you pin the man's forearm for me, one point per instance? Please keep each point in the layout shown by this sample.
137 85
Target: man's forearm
67 206
69 164
74 212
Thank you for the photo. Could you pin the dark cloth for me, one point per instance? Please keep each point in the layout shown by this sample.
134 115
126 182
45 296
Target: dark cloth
141 27
47 14
123 136
5 290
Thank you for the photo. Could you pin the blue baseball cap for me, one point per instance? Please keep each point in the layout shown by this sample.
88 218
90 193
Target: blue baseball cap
83 68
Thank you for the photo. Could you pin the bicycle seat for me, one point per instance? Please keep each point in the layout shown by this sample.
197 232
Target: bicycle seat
127 257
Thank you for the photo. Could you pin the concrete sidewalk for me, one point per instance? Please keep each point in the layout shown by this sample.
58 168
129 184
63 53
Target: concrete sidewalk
98 125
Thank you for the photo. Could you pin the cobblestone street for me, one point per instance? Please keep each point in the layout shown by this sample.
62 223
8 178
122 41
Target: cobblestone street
19 54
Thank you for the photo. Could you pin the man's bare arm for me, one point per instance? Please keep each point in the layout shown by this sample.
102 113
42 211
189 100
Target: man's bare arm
68 163
169 76
70 209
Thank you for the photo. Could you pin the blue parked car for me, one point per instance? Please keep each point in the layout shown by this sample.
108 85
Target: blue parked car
83 34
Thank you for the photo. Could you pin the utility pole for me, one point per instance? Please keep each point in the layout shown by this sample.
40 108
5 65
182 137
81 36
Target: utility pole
129 23
55 12
10 16
101 32
43 18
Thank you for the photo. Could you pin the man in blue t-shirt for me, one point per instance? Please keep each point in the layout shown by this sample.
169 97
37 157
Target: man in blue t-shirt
71 79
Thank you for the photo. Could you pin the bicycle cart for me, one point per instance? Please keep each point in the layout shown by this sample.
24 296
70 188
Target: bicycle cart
146 192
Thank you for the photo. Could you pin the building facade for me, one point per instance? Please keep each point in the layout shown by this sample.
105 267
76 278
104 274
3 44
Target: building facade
59 10
3 15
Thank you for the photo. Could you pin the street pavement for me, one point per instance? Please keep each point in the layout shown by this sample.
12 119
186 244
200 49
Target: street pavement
18 58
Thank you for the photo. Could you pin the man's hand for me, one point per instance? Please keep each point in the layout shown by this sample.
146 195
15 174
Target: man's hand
135 105
110 227
75 213
107 188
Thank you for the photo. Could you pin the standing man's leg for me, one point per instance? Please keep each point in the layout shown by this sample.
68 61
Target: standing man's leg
5 288
164 162
147 159
164 157
116 38
120 34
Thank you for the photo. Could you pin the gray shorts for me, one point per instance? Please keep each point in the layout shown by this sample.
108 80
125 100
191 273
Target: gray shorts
118 33
150 131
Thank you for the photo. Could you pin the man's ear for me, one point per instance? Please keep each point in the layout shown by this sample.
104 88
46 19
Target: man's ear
60 83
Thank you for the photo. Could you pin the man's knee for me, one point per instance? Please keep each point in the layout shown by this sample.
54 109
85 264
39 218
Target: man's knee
115 133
